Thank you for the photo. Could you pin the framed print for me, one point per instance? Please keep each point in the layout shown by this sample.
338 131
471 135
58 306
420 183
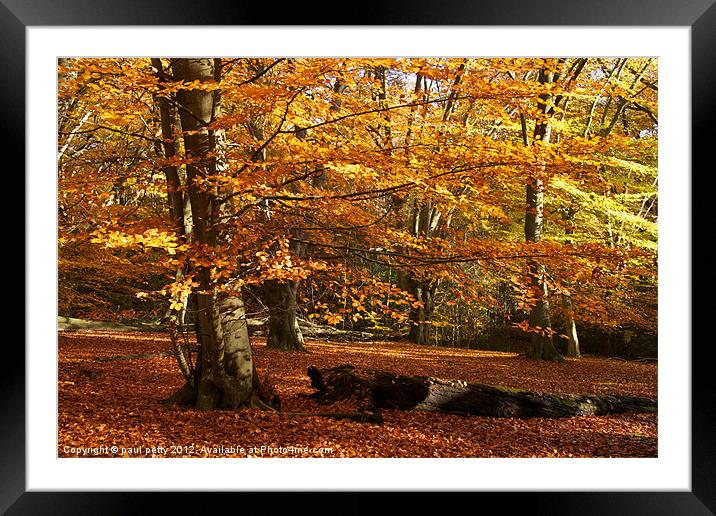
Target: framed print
664 47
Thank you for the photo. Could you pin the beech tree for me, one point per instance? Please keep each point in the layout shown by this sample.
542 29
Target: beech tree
542 343
396 195
224 374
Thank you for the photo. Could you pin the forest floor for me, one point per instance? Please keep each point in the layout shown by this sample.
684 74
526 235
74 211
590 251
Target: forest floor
107 402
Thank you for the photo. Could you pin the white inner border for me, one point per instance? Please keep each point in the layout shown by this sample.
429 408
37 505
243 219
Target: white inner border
670 471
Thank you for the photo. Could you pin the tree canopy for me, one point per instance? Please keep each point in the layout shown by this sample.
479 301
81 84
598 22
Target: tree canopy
390 192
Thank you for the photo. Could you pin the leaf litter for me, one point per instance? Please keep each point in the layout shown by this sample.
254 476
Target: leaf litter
112 408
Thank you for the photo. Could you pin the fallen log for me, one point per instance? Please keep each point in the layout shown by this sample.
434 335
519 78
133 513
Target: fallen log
73 324
374 390
259 327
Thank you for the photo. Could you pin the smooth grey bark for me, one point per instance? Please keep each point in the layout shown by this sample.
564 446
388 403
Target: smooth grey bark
570 327
284 331
281 299
232 368
225 372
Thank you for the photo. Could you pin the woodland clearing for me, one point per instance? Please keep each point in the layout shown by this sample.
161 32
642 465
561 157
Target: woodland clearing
110 397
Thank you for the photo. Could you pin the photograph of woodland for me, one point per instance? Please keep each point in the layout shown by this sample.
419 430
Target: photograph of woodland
357 257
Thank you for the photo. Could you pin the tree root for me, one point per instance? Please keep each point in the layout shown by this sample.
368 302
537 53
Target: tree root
257 402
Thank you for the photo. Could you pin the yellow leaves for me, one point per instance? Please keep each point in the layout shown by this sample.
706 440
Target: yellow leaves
634 166
111 238
199 85
353 171
394 190
151 238
332 318
170 88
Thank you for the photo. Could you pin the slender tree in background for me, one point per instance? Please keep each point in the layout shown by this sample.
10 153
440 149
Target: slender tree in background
278 295
180 215
425 221
542 343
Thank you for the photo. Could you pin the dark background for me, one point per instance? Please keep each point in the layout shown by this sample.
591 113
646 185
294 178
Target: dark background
16 15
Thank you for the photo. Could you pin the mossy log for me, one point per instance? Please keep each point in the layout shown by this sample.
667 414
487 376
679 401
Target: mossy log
375 390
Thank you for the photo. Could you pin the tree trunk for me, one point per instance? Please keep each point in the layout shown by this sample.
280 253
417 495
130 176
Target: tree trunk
421 313
542 344
280 296
176 203
421 223
375 390
424 220
225 374
284 332
570 327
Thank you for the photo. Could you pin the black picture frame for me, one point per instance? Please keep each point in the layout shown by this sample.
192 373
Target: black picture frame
700 15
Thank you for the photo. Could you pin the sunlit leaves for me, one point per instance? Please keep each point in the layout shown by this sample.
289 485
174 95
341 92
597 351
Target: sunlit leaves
348 149
151 238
